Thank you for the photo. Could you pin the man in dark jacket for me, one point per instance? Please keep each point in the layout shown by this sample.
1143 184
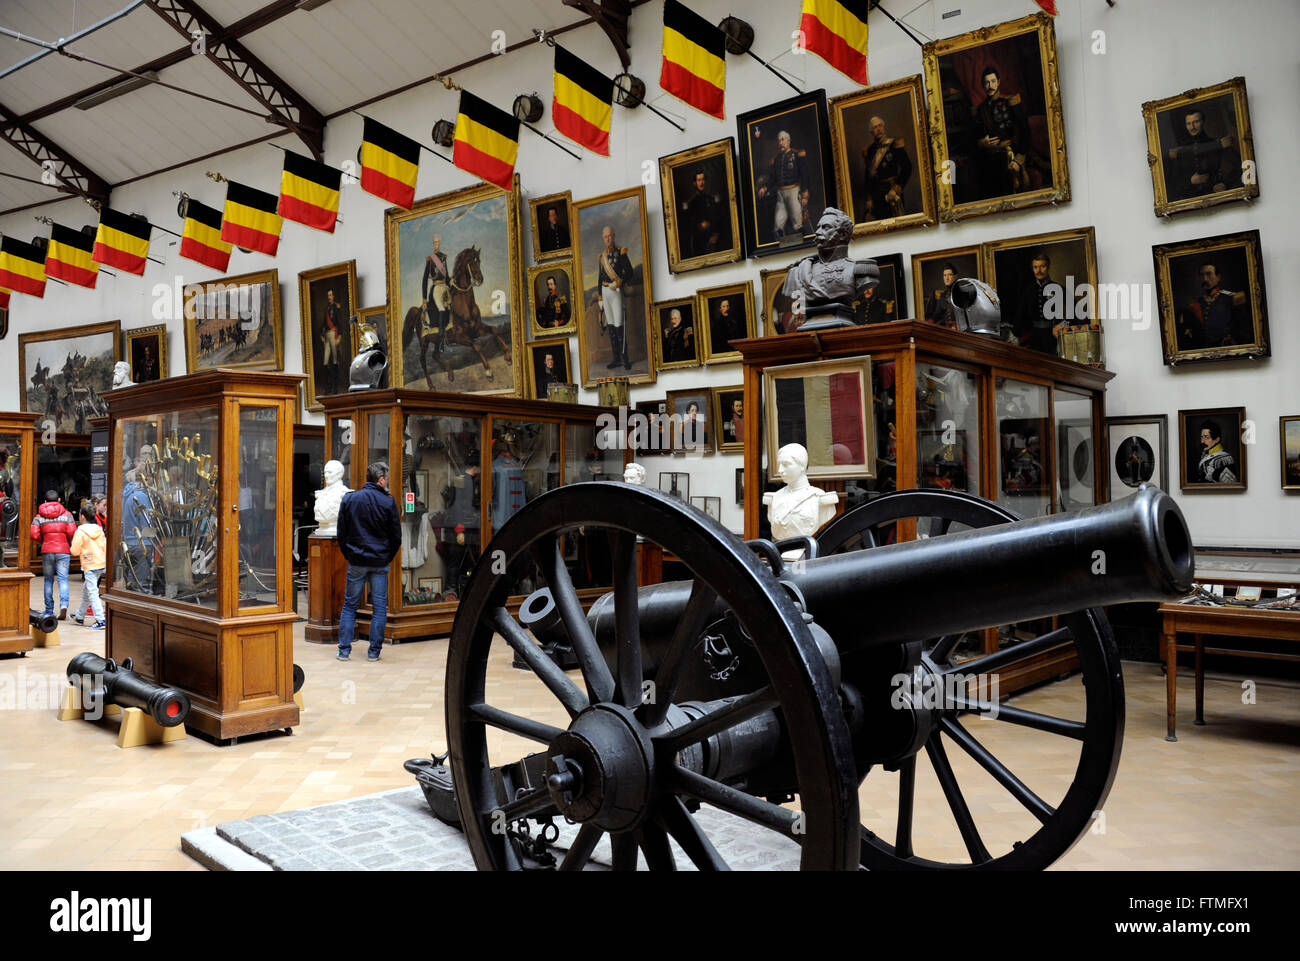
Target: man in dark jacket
52 530
370 535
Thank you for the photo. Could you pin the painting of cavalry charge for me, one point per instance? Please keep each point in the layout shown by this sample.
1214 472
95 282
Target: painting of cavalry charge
66 374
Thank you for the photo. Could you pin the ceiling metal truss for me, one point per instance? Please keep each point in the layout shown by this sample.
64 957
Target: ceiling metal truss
59 169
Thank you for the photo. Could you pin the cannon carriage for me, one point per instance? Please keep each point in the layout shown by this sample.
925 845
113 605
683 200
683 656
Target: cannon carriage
781 692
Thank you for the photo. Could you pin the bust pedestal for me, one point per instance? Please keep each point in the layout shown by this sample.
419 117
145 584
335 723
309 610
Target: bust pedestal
326 577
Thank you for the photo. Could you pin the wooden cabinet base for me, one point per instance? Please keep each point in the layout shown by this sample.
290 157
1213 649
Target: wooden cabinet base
15 628
326 578
237 671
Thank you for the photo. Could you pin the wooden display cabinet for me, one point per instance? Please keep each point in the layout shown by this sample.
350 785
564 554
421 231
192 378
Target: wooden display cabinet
17 479
460 465
1013 425
200 526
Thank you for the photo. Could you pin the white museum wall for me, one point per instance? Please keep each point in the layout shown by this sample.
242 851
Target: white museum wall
1153 49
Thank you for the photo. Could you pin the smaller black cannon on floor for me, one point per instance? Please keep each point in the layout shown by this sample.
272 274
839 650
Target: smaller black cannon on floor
103 681
45 623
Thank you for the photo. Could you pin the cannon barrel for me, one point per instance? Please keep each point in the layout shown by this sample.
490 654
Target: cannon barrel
45 623
1136 549
103 680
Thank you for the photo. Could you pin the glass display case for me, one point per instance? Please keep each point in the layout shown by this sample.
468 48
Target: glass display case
65 469
200 543
461 466
979 415
17 479
308 466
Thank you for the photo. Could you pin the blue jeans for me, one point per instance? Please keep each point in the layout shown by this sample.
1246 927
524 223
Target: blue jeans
356 583
55 565
90 592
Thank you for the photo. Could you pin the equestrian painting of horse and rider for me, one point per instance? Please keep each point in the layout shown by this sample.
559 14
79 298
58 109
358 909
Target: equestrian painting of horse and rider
66 373
454 299
234 322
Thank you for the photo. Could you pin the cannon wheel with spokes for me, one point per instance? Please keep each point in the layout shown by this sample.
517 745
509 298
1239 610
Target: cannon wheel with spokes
1098 735
626 746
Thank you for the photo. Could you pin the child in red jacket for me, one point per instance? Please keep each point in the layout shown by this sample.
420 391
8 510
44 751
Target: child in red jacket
53 529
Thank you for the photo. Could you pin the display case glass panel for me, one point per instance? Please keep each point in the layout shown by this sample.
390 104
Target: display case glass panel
586 459
341 438
308 469
64 469
259 429
947 428
377 446
166 524
525 463
11 488
1075 457
441 537
1023 477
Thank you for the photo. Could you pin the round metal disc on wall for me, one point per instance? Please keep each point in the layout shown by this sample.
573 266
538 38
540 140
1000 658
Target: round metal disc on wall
629 91
740 35
444 133
528 108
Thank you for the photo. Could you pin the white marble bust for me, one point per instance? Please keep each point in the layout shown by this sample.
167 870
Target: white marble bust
329 497
634 474
122 375
798 508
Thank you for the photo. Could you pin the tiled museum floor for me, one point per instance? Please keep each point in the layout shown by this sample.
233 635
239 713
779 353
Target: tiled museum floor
1223 796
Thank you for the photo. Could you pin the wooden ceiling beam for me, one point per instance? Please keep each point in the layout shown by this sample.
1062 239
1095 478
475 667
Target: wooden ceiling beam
59 169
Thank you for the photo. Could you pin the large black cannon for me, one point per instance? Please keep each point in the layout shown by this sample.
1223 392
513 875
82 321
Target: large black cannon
759 681
103 681
45 623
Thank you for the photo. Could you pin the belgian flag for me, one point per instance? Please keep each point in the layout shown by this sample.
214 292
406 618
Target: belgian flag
583 103
836 30
4 304
122 241
309 192
694 67
22 267
201 236
486 141
251 219
390 163
69 256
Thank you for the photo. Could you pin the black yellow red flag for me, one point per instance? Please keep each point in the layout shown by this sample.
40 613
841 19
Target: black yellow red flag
122 241
251 219
201 236
486 141
22 267
583 102
309 192
836 30
694 67
390 164
70 256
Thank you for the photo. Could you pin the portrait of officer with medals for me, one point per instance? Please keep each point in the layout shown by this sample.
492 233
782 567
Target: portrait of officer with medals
550 289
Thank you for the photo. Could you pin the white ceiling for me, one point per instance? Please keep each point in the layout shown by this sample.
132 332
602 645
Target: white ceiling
338 55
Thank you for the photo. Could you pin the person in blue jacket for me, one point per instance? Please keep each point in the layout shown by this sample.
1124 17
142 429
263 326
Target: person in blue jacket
369 535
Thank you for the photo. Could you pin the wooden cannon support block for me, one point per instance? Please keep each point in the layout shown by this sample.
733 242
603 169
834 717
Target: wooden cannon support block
41 639
136 727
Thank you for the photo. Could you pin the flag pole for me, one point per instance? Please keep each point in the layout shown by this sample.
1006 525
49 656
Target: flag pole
337 218
900 25
643 102
786 80
525 123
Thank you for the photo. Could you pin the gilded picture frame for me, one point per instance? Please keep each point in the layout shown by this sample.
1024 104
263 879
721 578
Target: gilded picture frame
1187 158
775 310
672 347
1288 429
1191 322
537 351
624 212
689 410
701 226
1211 452
728 408
1071 258
866 175
327 343
145 349
65 374
234 322
929 289
715 328
542 309
552 240
978 173
482 350
797 400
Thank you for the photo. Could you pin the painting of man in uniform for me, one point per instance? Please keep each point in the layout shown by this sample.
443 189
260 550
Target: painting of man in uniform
995 112
1211 306
1199 148
704 225
451 263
